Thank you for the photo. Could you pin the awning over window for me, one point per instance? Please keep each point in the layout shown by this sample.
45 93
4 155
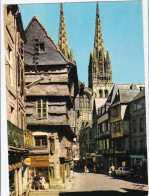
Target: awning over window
137 156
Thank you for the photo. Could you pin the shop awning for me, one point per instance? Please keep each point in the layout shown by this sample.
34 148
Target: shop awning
137 156
98 155
39 161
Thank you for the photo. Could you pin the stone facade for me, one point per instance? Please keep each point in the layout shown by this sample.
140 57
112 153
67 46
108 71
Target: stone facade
15 95
113 126
138 140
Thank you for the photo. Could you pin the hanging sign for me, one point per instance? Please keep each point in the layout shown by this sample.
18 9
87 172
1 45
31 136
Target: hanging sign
27 161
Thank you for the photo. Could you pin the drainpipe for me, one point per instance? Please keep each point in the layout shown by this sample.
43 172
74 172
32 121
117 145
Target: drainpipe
16 63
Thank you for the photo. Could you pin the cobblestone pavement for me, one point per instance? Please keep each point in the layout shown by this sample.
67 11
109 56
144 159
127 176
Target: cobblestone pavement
92 184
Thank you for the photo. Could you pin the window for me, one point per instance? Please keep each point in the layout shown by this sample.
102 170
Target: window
41 47
9 53
101 94
114 127
100 144
52 145
115 111
106 93
10 65
107 141
85 102
97 145
40 141
135 106
42 108
8 10
104 146
135 145
51 169
134 126
141 124
22 120
141 144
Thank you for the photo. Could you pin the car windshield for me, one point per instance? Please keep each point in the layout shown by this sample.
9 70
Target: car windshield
126 168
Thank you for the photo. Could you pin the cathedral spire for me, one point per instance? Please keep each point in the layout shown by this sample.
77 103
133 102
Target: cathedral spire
99 71
98 42
63 42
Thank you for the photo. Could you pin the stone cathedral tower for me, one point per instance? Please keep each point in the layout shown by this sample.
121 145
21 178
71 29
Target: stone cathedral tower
99 71
63 42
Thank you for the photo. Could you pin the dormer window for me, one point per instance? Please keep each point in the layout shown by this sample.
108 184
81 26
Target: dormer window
41 47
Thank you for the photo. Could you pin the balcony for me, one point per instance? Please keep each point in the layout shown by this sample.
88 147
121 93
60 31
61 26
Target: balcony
15 136
102 134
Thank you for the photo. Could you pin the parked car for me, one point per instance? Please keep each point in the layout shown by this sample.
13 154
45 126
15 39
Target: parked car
138 175
122 171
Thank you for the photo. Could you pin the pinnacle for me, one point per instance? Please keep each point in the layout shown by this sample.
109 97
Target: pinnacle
98 43
62 42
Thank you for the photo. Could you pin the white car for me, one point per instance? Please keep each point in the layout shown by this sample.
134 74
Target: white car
122 171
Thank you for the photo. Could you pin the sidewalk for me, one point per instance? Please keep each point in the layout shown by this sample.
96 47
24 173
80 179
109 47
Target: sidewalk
67 187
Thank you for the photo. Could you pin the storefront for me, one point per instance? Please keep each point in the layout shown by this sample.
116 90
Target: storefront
40 165
137 160
99 161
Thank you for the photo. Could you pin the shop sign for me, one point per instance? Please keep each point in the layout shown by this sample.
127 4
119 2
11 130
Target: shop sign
27 161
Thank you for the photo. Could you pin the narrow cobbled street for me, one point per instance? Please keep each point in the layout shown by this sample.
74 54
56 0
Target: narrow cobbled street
91 184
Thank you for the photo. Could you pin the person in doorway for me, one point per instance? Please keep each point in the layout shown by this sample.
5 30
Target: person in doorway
85 169
71 173
43 182
36 179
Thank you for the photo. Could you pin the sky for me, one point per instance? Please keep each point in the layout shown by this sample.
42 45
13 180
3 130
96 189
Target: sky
122 32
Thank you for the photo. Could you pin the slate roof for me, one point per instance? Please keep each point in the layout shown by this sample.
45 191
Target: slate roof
52 54
127 95
125 92
140 95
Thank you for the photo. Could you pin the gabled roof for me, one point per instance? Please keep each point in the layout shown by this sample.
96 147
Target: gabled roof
54 55
99 102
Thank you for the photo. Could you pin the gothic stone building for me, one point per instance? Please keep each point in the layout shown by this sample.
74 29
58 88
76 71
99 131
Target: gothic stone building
51 87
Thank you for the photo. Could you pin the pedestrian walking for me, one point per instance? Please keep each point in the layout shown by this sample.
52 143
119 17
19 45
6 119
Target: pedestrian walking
85 169
36 179
112 170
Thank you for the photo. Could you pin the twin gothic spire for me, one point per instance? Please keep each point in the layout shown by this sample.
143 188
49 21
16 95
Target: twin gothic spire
100 65
63 42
